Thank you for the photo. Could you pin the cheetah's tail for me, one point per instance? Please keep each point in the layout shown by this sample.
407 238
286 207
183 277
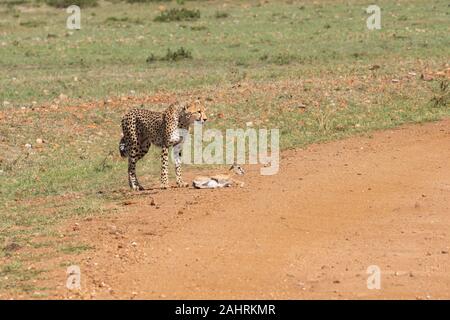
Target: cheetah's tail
123 148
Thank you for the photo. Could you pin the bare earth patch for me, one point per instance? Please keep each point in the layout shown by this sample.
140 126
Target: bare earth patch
310 231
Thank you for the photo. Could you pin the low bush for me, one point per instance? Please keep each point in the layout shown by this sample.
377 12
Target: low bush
67 3
176 14
171 56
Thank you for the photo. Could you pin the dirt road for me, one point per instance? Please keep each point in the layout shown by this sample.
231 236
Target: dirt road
311 231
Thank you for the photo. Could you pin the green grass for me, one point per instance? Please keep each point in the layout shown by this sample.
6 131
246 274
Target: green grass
302 67
295 39
14 278
75 249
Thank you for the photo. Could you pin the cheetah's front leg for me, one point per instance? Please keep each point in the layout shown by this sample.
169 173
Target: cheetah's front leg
177 149
164 168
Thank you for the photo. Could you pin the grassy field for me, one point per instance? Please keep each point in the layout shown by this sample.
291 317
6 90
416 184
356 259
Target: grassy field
311 69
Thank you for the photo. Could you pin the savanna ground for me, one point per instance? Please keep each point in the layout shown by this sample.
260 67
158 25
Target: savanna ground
311 69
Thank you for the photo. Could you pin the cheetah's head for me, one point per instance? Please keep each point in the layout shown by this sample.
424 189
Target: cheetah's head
195 111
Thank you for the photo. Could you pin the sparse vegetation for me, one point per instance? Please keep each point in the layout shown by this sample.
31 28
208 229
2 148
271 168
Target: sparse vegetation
124 20
176 14
66 3
312 76
221 15
171 56
32 23
198 28
74 249
146 1
442 98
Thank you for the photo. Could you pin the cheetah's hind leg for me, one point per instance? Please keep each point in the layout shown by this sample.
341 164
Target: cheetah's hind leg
133 156
132 179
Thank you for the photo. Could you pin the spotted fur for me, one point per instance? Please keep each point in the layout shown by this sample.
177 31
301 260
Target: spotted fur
141 128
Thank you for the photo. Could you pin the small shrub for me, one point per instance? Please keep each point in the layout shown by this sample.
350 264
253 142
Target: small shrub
66 3
151 58
145 1
179 54
198 28
178 15
283 59
264 57
171 56
221 15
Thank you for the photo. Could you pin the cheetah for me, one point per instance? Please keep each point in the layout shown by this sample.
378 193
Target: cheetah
142 128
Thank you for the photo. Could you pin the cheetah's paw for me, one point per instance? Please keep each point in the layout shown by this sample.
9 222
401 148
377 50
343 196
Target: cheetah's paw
182 184
164 186
137 187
